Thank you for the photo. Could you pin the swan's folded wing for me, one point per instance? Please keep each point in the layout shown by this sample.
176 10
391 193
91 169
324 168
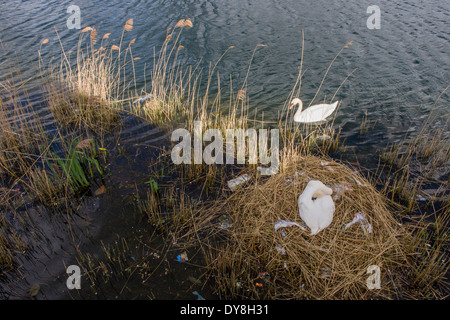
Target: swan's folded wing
318 112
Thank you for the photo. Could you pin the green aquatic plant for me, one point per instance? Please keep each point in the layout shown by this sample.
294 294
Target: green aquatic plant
153 184
79 165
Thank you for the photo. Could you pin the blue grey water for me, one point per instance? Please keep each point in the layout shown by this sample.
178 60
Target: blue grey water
399 70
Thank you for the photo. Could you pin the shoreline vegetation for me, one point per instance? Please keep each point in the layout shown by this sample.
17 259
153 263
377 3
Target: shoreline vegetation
231 233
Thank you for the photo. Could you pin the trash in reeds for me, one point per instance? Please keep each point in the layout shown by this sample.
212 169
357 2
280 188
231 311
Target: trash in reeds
182 257
34 290
326 165
421 198
143 98
280 249
361 218
199 297
263 275
323 138
339 189
234 183
225 223
258 284
100 191
285 223
346 186
359 183
326 272
296 174
155 255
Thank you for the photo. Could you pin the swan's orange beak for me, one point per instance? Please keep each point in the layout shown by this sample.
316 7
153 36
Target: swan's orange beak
291 106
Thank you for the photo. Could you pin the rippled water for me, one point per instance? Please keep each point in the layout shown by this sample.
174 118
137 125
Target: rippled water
401 69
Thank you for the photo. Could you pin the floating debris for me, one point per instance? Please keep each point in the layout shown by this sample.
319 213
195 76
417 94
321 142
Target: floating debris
421 198
182 257
323 138
360 217
234 183
143 98
34 290
199 297
100 191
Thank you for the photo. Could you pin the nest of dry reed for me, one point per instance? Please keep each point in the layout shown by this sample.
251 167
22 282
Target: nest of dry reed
255 261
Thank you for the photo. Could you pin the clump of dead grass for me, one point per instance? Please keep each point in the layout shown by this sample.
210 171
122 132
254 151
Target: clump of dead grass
332 264
89 89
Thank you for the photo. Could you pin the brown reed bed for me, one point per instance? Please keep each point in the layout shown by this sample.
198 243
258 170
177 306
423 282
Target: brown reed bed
251 260
89 90
419 161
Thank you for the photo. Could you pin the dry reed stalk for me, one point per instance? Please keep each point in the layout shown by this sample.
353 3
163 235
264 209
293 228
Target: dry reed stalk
86 92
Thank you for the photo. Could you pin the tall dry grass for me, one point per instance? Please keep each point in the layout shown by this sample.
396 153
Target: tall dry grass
419 161
89 90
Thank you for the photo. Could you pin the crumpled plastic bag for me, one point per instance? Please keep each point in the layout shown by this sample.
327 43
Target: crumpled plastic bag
360 217
285 223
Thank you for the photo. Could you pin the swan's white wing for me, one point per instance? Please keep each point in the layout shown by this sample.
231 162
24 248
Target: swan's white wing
316 113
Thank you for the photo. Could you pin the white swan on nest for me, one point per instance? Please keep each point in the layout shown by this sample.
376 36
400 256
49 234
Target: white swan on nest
316 113
316 207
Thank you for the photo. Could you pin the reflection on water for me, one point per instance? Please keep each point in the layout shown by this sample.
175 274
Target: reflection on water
401 68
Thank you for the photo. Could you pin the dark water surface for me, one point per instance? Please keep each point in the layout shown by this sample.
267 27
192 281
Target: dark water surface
401 69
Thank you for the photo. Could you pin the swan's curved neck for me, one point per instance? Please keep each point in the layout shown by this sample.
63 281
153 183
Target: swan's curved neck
300 107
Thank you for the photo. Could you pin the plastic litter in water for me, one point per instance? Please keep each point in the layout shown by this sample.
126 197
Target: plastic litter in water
199 297
323 138
234 183
143 98
182 257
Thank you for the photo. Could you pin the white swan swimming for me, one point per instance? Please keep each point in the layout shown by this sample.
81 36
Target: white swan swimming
316 113
316 207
